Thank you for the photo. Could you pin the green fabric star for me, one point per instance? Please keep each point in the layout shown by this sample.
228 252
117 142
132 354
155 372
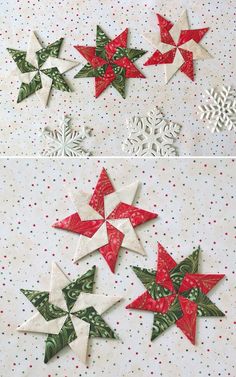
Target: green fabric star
40 69
78 292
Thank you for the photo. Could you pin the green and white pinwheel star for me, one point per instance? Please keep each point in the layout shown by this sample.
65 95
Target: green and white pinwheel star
69 313
40 69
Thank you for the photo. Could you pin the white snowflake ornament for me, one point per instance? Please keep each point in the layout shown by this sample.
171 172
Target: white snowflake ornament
221 112
65 141
152 135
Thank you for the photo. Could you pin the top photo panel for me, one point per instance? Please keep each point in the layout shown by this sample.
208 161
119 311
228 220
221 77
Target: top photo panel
117 78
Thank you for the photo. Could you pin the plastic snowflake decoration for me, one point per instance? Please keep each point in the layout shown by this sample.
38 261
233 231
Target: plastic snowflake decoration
221 111
176 293
40 69
65 141
152 135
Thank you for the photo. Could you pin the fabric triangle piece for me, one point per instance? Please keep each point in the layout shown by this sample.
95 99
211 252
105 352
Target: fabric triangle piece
25 77
38 324
125 195
187 323
152 38
88 245
81 201
181 24
80 345
198 51
110 251
171 69
62 64
44 92
58 281
130 240
33 47
100 303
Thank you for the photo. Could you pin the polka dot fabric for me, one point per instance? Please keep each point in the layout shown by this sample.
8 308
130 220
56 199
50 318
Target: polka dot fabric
195 200
20 124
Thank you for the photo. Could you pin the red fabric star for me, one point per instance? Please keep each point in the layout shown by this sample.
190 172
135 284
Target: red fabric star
178 42
178 299
133 217
110 62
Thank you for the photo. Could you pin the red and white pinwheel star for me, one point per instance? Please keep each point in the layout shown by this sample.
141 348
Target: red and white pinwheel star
106 220
177 46
176 293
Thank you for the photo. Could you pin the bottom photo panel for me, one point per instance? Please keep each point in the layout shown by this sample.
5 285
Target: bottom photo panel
115 267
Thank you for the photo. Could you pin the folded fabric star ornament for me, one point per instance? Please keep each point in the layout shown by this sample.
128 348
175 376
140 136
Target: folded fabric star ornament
110 62
40 69
176 293
106 220
177 46
69 313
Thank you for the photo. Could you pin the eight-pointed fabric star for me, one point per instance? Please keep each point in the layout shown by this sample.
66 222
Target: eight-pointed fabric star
39 69
110 62
69 313
177 46
106 220
176 293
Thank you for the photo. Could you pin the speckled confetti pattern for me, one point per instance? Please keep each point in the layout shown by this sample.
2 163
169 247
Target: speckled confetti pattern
196 203
20 124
